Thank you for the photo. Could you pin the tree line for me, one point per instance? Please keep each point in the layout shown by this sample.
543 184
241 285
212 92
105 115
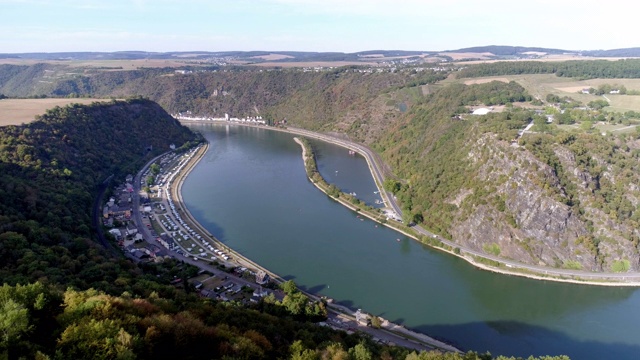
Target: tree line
583 69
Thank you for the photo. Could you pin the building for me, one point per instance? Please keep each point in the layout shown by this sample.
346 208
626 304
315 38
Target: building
481 111
132 229
262 277
116 233
362 318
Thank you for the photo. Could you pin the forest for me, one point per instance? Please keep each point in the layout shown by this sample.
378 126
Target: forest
447 166
65 296
582 69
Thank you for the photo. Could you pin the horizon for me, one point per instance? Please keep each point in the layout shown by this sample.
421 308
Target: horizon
45 26
293 51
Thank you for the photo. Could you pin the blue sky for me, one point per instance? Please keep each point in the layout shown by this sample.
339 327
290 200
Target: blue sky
313 25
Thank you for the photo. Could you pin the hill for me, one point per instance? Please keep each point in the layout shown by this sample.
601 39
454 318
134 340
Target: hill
66 296
502 50
549 198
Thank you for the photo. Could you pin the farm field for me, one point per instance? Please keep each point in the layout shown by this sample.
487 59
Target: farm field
105 65
539 85
19 111
603 128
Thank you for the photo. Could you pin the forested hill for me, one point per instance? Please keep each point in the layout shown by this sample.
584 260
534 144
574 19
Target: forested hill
554 198
583 69
311 98
66 297
50 171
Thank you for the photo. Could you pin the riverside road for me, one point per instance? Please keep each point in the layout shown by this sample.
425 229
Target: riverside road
621 279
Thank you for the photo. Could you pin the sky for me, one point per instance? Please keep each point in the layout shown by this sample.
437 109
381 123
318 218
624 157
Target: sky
313 25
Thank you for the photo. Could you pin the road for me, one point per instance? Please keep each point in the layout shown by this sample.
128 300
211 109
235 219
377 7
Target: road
627 278
371 157
149 238
338 316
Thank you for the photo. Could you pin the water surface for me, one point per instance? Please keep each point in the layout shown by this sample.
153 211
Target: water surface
250 191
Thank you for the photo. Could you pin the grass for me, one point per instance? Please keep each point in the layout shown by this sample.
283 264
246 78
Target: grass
22 111
573 265
492 248
616 129
539 85
623 103
620 265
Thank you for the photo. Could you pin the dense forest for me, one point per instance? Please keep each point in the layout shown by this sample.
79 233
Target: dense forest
66 296
468 178
626 68
50 173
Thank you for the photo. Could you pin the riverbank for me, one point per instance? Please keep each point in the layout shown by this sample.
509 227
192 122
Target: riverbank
389 332
475 258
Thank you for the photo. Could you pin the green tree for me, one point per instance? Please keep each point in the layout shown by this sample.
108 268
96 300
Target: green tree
375 322
360 352
540 124
14 322
392 185
289 287
299 352
586 125
155 169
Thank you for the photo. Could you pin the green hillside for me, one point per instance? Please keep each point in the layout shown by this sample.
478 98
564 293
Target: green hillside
459 175
65 296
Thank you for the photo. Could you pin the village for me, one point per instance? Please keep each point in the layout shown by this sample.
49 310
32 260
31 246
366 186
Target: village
154 231
150 226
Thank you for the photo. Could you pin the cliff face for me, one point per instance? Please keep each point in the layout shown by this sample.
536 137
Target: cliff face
531 221
564 200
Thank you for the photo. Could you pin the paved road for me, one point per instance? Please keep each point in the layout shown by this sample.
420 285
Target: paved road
149 238
339 319
631 278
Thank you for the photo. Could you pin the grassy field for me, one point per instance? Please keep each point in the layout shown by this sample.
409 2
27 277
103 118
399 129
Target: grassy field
603 128
105 64
539 85
19 111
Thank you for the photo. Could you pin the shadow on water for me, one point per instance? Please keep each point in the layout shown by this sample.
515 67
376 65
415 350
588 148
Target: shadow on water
519 339
213 228
313 289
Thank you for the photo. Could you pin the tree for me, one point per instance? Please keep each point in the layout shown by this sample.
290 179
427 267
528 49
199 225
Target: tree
540 123
298 352
586 125
553 98
14 322
375 322
360 352
392 185
289 287
154 168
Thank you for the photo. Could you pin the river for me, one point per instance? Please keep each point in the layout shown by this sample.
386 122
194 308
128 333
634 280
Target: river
251 192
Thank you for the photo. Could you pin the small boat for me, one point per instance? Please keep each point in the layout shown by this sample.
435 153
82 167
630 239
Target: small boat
398 240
